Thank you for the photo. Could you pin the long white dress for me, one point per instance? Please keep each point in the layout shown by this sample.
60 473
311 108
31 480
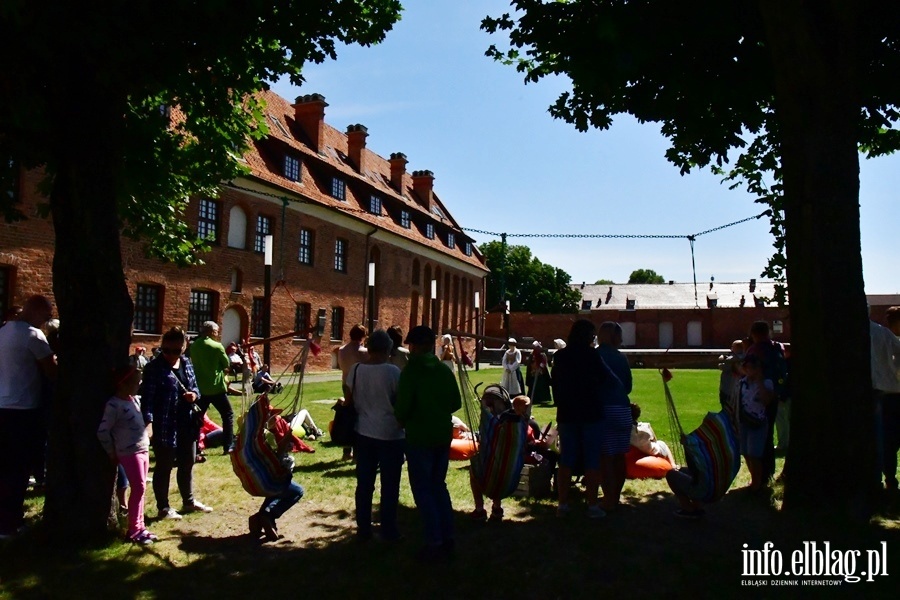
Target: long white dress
512 358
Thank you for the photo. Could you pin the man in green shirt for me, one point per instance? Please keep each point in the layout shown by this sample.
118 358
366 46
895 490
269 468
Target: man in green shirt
427 396
210 364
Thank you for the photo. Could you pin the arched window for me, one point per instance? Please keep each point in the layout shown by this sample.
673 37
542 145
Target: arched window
237 228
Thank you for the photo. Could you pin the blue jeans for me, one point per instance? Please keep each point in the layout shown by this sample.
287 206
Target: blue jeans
427 478
275 506
372 454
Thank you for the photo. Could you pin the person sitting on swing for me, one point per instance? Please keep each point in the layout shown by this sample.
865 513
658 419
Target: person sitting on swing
263 522
519 412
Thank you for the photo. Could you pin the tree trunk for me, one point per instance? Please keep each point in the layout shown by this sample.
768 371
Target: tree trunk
815 66
95 311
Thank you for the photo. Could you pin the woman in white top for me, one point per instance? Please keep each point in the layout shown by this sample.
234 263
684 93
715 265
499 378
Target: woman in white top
371 387
512 378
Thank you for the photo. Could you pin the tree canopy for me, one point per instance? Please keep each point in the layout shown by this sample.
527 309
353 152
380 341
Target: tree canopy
796 89
604 282
199 62
645 276
530 285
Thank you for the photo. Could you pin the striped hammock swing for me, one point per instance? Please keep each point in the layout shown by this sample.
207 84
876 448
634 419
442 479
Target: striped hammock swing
711 451
256 464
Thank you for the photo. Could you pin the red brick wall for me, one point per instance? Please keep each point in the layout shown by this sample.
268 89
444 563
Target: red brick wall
27 247
720 326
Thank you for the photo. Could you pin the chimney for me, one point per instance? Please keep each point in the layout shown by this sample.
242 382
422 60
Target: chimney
398 170
356 144
423 185
309 113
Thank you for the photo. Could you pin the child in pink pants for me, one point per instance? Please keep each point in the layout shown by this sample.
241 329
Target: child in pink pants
127 441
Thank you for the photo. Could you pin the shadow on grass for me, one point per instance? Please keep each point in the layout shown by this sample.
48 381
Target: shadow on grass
641 546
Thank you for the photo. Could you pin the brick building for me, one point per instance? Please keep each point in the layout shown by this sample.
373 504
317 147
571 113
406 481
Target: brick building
339 215
670 316
663 316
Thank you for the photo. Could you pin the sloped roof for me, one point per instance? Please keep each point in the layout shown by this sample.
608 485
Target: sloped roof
265 159
675 295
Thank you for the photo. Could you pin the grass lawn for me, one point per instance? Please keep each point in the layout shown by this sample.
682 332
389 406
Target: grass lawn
641 550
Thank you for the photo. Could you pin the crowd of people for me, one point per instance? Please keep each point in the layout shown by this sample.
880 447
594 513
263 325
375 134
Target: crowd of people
404 400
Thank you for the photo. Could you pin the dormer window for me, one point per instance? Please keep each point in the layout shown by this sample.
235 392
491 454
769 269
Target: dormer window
467 249
292 167
404 219
451 241
375 205
339 189
429 231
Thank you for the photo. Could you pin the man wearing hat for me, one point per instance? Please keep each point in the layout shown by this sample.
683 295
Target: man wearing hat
427 396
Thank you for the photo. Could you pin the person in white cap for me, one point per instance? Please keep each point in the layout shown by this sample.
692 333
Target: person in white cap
512 377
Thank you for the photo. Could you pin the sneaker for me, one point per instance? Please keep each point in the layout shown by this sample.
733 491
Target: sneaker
152 536
595 512
479 514
169 513
563 510
144 538
692 515
196 506
496 515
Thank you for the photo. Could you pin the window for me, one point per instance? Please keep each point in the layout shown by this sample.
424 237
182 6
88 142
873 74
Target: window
147 305
404 219
337 323
340 255
201 308
468 249
256 317
339 188
292 167
237 281
208 222
451 241
280 127
429 231
5 289
263 228
237 228
307 245
301 319
375 205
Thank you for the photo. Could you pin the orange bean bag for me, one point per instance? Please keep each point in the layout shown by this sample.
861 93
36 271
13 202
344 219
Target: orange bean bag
463 449
642 466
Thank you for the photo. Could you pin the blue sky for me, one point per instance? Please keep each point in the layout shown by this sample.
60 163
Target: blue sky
501 163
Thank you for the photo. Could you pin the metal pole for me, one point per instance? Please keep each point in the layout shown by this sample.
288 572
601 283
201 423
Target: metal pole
434 315
694 267
371 309
502 282
477 327
267 301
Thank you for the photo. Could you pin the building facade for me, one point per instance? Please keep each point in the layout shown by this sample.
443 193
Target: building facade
356 239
